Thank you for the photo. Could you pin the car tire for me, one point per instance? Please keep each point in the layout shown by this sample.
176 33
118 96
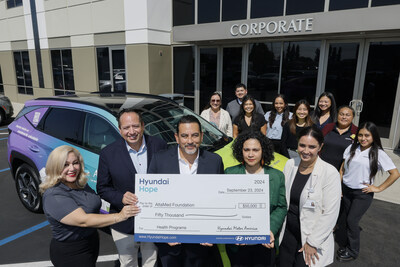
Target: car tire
27 185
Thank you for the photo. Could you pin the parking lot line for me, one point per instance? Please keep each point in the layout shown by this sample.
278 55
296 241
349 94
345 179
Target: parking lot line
104 258
23 233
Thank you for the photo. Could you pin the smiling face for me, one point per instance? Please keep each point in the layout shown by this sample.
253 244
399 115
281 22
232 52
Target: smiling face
131 129
365 139
252 152
345 117
72 169
308 149
324 103
215 102
302 112
248 107
189 138
279 104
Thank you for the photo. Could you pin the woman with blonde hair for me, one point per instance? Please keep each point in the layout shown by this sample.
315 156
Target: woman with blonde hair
72 208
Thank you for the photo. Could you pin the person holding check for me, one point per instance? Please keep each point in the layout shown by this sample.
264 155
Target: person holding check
186 158
255 151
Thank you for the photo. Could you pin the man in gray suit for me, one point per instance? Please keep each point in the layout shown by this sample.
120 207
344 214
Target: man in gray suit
233 107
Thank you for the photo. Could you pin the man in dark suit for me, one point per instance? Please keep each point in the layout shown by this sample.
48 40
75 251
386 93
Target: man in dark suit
187 158
118 164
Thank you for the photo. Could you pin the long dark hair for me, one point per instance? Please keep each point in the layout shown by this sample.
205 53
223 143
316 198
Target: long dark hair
273 112
266 146
373 152
332 110
294 120
242 113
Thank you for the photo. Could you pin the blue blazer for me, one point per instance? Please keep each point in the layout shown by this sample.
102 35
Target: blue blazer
167 162
116 175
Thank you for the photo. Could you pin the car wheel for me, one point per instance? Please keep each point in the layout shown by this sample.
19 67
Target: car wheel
27 185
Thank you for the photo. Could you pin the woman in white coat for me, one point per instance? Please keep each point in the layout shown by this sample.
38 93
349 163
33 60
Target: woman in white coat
217 116
313 193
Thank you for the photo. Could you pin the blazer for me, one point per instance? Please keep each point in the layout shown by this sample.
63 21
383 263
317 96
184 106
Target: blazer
277 196
225 122
116 175
317 224
167 162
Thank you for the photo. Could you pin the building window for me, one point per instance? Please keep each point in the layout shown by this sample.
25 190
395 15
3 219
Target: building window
184 74
208 11
234 9
14 3
294 7
111 61
1 83
385 2
183 12
63 72
300 70
266 8
346 4
23 72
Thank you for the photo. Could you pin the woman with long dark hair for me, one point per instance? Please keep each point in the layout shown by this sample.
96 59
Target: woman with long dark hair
325 111
249 119
363 159
255 151
276 118
300 119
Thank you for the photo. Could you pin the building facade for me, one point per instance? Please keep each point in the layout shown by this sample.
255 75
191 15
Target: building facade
300 48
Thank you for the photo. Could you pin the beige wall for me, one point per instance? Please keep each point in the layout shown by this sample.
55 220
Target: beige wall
85 69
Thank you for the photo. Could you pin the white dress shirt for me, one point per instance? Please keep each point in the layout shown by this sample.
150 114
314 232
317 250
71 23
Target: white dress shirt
139 158
184 167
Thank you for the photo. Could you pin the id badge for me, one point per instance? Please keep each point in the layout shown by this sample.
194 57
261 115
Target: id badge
310 204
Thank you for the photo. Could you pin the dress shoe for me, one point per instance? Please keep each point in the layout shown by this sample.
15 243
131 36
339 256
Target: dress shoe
345 256
340 251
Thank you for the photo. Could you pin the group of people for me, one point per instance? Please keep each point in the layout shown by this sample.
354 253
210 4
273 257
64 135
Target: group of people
305 199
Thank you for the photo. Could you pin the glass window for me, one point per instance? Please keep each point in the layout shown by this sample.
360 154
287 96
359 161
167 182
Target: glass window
266 8
63 71
115 59
385 2
300 70
14 3
208 11
23 72
231 72
234 9
341 71
64 124
300 7
98 133
184 70
263 70
1 83
380 85
208 74
183 12
346 4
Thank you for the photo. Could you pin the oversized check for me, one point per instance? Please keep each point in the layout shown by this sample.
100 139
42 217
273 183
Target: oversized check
202 208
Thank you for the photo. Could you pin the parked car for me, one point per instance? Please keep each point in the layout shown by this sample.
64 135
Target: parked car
6 109
88 123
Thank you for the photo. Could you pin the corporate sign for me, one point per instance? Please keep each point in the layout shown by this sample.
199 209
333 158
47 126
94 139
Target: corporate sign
272 27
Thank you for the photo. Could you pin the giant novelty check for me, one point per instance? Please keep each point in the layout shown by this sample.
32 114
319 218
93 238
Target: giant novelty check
202 208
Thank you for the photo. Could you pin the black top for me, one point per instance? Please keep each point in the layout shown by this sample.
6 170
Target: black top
289 140
59 201
257 121
334 146
293 215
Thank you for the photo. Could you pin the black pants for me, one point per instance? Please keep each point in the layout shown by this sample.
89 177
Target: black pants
288 250
188 255
355 204
251 256
75 253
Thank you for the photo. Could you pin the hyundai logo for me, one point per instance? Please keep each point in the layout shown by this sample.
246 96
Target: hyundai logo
239 238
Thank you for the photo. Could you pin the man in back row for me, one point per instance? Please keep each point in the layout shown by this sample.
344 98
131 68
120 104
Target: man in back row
233 107
189 159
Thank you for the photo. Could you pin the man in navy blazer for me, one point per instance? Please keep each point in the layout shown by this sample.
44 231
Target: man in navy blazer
187 158
118 164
